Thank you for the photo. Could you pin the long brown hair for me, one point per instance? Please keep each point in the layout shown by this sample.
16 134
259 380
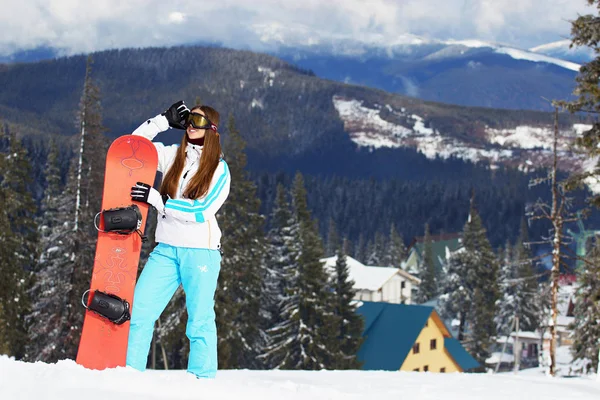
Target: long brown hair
211 153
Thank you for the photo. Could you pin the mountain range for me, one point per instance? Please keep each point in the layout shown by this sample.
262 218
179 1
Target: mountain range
290 118
467 72
462 72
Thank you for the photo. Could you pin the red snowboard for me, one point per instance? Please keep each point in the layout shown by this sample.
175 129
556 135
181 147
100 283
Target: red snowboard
130 159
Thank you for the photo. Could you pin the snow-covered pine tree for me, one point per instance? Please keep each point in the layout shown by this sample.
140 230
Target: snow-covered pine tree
508 303
586 327
349 322
527 283
88 186
48 324
307 332
18 241
376 250
457 289
244 257
279 292
395 252
428 288
480 340
485 279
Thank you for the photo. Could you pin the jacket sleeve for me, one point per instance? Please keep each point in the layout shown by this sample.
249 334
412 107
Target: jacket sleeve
149 129
206 207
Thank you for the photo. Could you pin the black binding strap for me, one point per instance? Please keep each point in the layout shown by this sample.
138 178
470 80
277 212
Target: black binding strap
109 306
121 220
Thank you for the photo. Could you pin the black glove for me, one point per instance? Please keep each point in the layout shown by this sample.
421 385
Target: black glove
177 115
147 194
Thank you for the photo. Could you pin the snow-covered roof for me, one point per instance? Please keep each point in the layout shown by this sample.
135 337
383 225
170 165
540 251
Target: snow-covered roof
368 277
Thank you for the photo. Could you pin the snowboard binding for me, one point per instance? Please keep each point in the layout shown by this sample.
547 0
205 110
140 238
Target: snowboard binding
121 220
108 306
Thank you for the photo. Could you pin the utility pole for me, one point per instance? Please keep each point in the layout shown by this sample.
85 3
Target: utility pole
516 349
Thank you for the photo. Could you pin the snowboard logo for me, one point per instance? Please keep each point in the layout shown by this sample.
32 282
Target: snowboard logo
115 271
132 162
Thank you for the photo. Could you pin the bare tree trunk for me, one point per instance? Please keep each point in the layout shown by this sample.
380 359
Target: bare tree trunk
79 172
557 222
516 350
461 326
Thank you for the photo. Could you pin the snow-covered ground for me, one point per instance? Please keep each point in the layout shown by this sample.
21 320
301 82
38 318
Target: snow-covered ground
66 380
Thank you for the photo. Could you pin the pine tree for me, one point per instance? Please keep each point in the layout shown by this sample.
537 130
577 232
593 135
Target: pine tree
485 280
527 285
507 305
85 185
17 241
350 323
586 327
50 293
244 259
470 287
428 287
457 289
280 299
306 336
333 239
395 252
482 324
360 249
282 255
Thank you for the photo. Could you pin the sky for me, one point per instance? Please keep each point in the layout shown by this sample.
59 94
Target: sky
81 26
66 380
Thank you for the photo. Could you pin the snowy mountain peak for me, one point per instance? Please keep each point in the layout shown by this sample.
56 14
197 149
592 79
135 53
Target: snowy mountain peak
276 36
562 49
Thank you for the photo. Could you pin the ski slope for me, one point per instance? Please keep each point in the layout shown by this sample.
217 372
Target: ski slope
66 380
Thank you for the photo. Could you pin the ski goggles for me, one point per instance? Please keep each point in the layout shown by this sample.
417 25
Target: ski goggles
199 121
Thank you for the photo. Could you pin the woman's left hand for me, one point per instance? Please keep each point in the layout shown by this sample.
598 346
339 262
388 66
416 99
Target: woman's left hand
145 193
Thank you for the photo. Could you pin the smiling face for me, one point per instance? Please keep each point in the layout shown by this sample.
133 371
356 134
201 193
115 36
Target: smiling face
192 132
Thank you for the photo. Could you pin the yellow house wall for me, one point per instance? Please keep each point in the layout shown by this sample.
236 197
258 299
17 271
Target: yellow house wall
435 359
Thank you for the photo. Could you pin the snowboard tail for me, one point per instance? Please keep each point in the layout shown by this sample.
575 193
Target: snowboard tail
103 343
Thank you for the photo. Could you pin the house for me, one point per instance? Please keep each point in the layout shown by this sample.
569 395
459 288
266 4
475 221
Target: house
373 283
401 337
441 246
529 350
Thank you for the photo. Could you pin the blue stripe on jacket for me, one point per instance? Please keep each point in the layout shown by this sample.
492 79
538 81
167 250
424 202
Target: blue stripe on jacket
197 207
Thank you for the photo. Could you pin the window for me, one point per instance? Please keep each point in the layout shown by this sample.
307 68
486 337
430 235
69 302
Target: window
416 348
426 323
443 369
402 285
416 369
426 368
433 344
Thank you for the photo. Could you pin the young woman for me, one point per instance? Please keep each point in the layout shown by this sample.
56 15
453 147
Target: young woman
195 185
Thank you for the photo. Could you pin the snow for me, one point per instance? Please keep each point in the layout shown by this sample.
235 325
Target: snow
368 129
499 356
269 75
525 55
561 44
517 54
66 380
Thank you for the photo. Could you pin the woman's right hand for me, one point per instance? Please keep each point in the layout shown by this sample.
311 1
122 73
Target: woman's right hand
177 115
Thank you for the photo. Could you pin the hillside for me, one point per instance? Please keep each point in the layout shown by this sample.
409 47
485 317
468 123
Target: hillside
287 115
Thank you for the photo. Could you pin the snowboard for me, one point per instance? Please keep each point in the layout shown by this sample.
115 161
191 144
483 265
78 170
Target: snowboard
103 344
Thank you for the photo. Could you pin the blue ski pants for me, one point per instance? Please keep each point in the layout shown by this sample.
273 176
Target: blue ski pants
168 267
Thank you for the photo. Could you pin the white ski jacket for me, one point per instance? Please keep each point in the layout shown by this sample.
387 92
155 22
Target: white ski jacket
185 222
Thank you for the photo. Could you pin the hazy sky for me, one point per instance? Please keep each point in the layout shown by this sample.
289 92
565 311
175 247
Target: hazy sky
88 25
